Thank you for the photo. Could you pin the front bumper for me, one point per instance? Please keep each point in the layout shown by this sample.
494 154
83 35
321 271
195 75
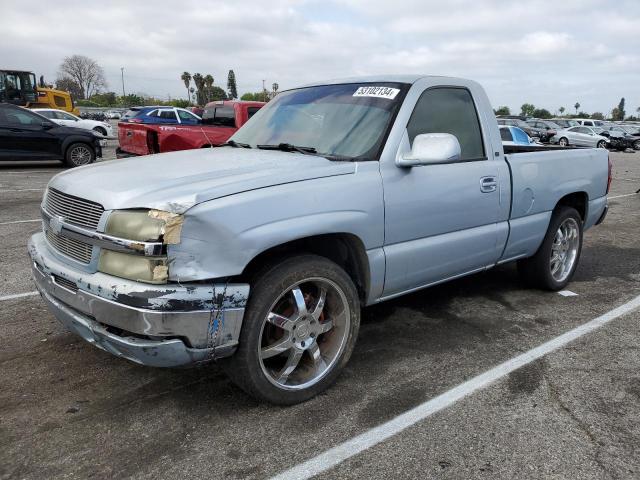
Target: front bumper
156 325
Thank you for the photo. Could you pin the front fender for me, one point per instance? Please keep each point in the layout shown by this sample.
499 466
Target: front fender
220 237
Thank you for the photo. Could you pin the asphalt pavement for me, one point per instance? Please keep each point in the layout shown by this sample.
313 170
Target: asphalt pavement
69 410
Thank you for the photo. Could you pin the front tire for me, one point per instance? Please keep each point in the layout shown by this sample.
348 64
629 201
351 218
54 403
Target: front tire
298 332
636 145
101 131
79 154
563 142
555 262
602 144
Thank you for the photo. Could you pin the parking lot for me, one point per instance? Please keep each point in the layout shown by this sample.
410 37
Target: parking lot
70 410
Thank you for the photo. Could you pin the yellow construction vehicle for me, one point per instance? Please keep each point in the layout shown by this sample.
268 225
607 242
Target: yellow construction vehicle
19 87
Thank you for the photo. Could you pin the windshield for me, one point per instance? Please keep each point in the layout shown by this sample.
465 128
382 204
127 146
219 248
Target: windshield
346 120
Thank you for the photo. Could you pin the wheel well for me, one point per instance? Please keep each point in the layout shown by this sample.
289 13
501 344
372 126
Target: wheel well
345 249
577 200
100 129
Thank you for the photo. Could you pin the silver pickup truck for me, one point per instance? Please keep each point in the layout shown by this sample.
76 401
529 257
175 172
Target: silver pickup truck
261 253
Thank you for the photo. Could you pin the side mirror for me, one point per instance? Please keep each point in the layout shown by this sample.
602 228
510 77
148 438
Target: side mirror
431 148
46 125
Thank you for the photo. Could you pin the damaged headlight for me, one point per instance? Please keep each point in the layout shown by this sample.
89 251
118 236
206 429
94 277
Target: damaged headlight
145 225
140 226
134 267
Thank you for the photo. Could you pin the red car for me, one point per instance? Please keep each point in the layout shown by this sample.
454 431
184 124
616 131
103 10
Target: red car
220 120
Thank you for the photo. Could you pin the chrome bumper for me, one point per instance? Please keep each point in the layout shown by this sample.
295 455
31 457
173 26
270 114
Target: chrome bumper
156 325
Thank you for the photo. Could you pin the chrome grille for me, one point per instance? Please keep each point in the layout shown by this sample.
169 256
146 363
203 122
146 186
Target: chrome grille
75 249
74 210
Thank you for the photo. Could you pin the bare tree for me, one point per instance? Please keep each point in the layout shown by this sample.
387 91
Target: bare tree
85 72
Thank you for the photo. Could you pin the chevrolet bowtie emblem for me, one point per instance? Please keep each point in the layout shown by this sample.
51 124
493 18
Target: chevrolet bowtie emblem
55 223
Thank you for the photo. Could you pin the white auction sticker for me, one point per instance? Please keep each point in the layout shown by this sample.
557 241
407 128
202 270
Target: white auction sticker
378 92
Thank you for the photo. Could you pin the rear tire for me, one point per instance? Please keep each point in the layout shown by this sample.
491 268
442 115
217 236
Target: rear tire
295 339
79 154
553 265
563 142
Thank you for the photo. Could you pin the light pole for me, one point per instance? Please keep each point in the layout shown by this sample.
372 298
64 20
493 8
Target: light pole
122 72
264 92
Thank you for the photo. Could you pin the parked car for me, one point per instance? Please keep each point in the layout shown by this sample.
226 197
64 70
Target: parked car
27 135
197 110
514 136
535 133
334 196
112 115
565 122
69 120
548 127
587 122
579 136
160 115
221 120
628 137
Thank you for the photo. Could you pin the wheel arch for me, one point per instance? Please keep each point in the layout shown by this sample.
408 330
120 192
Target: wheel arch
344 249
577 200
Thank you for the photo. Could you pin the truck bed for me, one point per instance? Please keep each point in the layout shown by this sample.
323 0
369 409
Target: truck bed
539 180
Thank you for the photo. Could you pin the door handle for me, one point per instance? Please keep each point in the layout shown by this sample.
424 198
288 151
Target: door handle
488 184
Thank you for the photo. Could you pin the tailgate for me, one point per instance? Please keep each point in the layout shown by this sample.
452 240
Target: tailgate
133 138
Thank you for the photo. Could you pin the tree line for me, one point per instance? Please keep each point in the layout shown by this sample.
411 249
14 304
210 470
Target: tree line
618 113
85 80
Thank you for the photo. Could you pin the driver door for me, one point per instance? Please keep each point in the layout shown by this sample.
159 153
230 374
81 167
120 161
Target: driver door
443 220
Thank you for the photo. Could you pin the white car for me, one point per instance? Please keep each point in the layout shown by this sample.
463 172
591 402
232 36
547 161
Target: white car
68 120
579 136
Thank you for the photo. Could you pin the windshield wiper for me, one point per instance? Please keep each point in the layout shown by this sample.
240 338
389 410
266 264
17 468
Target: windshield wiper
234 144
288 147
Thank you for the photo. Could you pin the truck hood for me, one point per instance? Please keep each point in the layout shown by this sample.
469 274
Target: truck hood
177 181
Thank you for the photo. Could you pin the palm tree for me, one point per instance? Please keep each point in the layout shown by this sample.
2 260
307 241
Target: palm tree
199 81
186 78
576 106
208 81
561 110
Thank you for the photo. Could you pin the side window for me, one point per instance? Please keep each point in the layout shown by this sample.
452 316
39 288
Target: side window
187 116
520 136
449 110
59 101
65 116
168 114
18 117
225 117
505 135
48 114
251 111
221 116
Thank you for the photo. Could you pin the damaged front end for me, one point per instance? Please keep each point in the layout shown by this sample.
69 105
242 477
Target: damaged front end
108 281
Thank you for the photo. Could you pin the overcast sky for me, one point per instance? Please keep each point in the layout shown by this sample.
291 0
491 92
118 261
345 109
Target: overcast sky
547 53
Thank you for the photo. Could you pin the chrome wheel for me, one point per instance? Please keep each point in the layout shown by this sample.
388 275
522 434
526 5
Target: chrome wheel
80 155
602 144
564 250
304 333
563 142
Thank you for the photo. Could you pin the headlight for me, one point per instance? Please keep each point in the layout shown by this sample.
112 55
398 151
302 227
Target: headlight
140 226
134 267
145 225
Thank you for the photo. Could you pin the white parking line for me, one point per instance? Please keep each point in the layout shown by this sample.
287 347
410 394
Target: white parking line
24 190
18 172
567 293
370 438
21 221
19 295
622 196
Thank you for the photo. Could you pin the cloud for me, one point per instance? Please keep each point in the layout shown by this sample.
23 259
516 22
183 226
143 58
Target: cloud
547 54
